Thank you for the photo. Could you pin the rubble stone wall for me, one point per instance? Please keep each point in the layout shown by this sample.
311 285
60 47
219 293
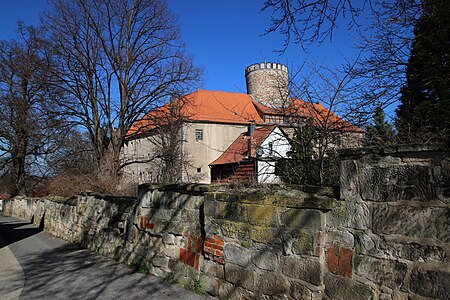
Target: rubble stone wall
387 235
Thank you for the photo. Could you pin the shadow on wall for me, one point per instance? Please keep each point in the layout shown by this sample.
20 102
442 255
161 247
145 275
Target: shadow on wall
273 243
155 237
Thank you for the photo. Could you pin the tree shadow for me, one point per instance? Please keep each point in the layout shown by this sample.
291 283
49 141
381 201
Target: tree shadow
58 270
13 230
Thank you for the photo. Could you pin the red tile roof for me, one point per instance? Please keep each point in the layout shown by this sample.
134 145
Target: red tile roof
233 108
203 106
239 149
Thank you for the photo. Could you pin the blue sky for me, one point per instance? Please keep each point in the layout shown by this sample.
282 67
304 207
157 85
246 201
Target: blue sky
223 36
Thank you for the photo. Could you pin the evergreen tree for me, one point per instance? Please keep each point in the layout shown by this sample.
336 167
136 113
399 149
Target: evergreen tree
425 100
380 132
301 164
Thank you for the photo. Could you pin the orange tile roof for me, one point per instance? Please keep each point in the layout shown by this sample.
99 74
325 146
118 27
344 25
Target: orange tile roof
239 149
232 108
323 117
203 106
221 107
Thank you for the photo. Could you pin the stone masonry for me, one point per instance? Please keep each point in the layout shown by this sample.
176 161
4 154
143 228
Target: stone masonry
385 237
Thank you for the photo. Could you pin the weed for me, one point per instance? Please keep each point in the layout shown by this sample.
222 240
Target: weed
197 287
143 269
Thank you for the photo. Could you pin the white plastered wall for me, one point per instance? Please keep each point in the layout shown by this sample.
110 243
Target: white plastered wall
268 158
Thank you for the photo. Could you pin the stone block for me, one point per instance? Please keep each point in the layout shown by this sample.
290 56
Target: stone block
417 222
265 260
168 238
303 243
236 230
306 269
341 288
431 283
348 179
264 235
193 202
271 283
349 213
160 261
390 273
177 266
212 269
364 243
300 291
215 209
340 237
172 251
393 183
235 212
209 284
229 291
262 215
303 218
239 276
413 251
237 255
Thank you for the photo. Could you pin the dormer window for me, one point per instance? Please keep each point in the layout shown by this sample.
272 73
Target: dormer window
276 119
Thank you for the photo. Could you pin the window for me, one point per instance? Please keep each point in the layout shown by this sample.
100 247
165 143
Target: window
198 134
270 148
278 119
199 170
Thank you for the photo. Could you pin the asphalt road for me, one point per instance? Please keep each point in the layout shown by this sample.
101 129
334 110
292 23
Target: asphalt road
35 265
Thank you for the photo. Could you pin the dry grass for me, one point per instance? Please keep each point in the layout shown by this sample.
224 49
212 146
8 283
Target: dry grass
70 185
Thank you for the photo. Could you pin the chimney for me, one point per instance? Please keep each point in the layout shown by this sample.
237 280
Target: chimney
250 129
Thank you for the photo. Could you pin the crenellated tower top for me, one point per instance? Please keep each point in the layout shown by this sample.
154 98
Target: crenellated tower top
267 82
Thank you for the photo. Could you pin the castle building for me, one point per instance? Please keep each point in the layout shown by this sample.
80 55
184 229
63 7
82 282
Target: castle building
212 136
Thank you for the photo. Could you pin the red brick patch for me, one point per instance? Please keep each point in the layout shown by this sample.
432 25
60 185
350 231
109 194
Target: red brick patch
220 260
191 255
345 266
213 248
144 223
340 264
332 260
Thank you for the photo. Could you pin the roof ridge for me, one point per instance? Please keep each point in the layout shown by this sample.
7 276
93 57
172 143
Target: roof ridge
223 92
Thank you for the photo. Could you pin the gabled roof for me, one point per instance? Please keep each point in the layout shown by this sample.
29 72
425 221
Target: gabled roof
223 107
202 106
239 149
322 116
233 108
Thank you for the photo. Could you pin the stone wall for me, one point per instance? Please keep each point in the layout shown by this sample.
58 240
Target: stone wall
386 237
392 224
270 243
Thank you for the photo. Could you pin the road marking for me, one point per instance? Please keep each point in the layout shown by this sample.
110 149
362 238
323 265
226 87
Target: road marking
12 278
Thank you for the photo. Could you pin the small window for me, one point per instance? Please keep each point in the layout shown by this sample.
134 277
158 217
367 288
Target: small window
199 170
270 148
198 134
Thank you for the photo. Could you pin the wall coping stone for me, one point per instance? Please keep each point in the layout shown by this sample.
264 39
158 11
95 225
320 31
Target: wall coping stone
394 149
109 198
187 187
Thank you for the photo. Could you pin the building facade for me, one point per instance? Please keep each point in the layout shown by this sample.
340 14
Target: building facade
181 147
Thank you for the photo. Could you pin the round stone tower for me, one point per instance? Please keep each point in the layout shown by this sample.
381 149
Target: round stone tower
268 84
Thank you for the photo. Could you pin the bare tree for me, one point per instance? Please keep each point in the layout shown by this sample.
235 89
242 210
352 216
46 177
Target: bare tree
119 60
30 125
384 44
160 137
318 117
